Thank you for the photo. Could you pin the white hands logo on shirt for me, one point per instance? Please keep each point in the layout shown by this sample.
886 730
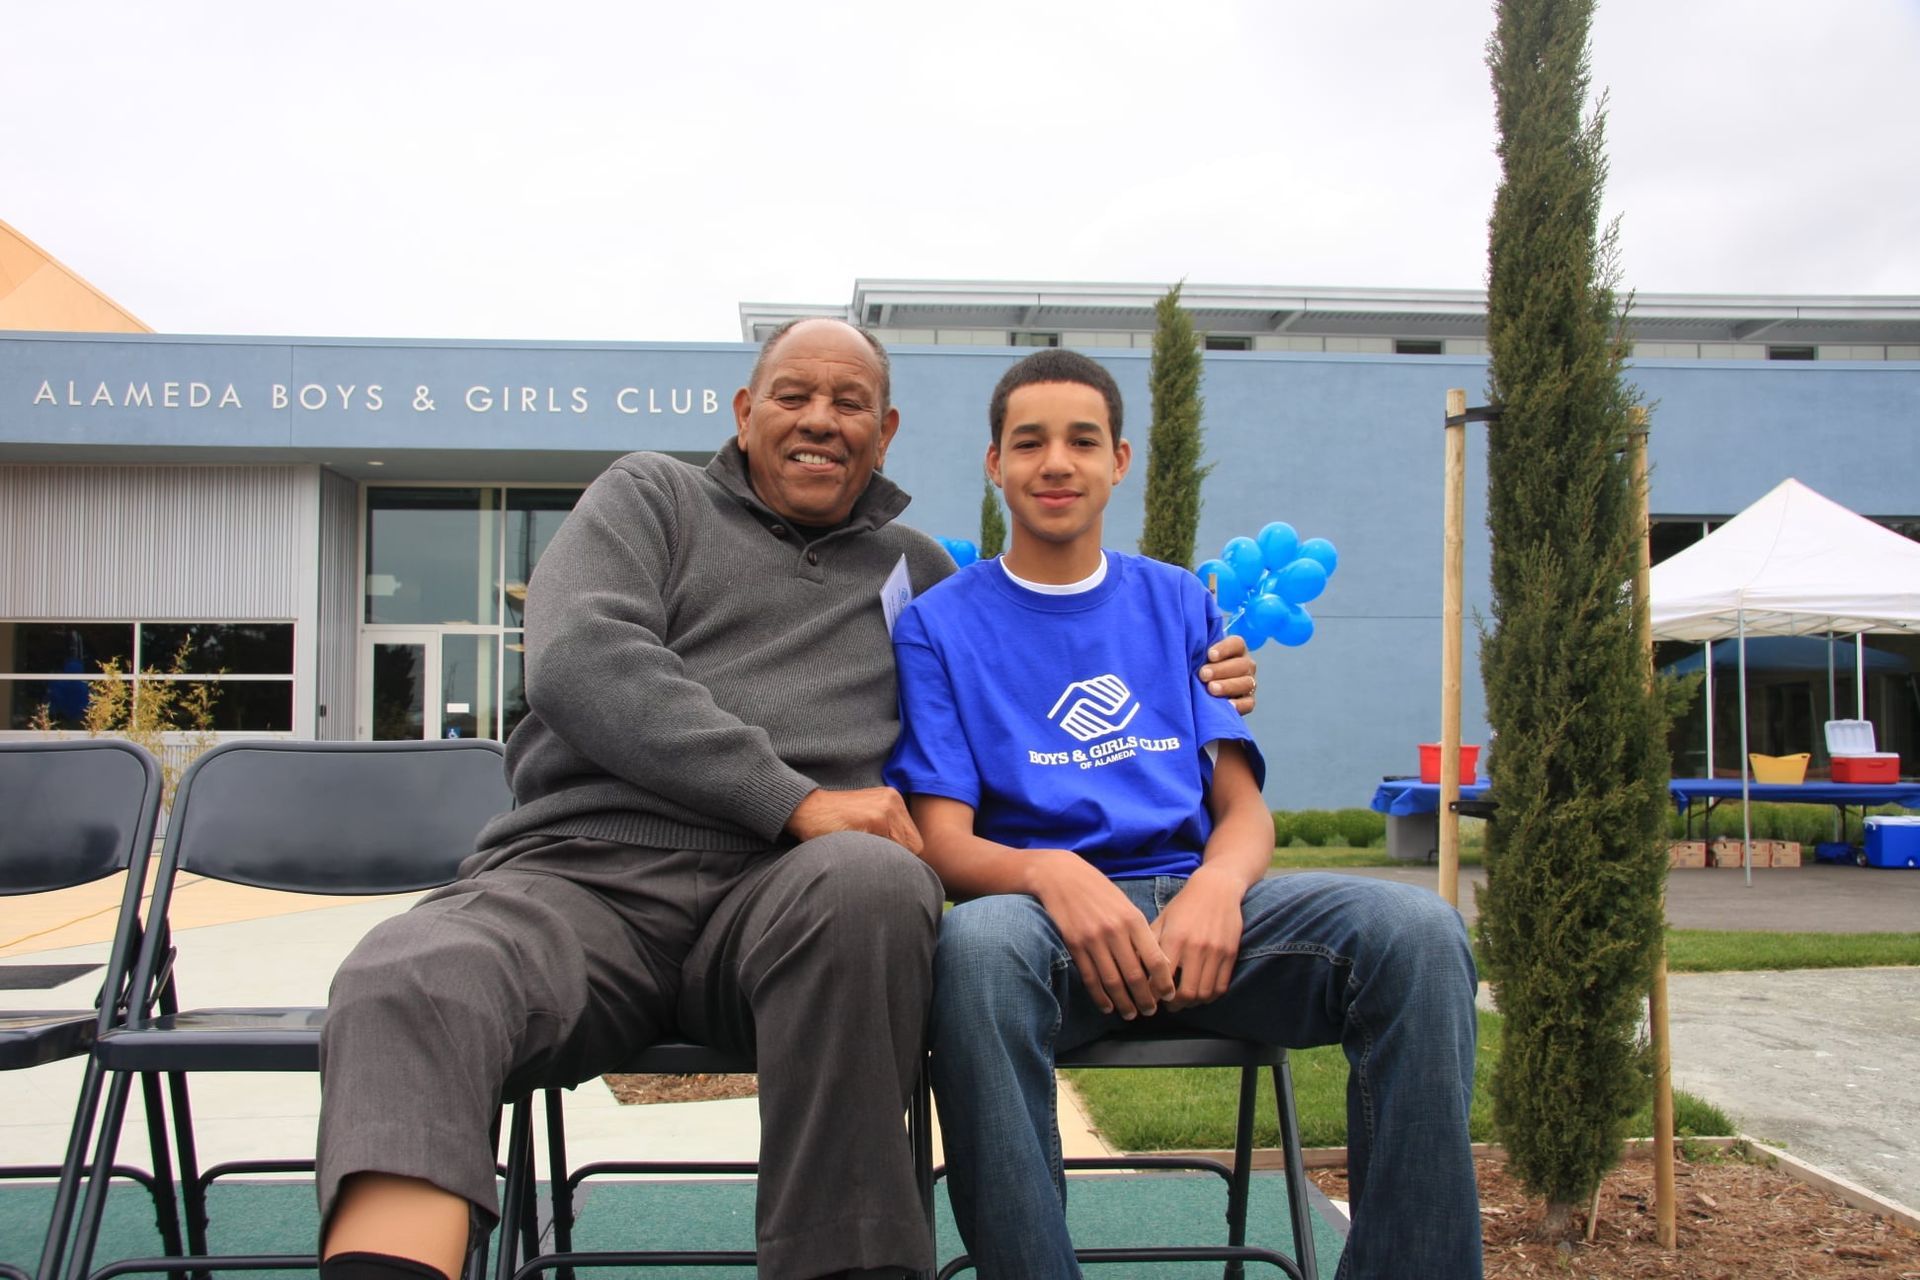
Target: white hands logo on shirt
1091 705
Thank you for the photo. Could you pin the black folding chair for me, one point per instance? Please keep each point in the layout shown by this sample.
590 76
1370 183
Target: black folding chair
1184 1047
666 1058
309 817
72 813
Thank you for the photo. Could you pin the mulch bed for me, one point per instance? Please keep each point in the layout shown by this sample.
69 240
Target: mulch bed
700 1087
1733 1220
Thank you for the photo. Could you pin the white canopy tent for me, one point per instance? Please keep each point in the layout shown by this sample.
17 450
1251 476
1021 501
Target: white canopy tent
1793 563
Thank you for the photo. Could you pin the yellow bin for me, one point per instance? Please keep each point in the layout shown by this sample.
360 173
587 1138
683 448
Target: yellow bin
1779 768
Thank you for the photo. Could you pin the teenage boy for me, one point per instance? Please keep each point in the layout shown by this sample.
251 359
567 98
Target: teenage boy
1100 822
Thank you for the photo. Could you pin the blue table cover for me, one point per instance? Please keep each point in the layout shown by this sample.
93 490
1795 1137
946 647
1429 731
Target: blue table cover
1402 798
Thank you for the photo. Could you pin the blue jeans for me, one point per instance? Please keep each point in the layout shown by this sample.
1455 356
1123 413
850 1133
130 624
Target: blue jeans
1382 969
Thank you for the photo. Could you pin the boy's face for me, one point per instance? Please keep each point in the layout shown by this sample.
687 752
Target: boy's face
1057 462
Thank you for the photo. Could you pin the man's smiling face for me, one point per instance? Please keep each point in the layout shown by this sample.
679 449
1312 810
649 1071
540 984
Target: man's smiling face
814 425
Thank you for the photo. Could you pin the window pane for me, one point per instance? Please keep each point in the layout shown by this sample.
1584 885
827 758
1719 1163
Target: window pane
432 555
533 517
65 701
468 667
236 648
399 691
54 648
254 705
513 697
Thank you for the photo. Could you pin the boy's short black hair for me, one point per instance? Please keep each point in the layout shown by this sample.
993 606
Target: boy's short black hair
1054 364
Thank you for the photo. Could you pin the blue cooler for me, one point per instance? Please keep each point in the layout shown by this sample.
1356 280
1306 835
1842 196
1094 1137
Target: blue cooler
1893 842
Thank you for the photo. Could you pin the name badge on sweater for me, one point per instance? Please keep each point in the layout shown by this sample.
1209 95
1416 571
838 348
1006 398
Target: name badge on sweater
896 593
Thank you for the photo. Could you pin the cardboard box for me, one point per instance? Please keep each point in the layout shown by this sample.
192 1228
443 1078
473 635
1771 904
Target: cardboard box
1683 854
1727 853
1785 853
1882 766
1893 841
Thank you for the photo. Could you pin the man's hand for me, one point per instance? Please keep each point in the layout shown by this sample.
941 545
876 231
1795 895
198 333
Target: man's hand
1200 932
1110 941
877 810
1231 673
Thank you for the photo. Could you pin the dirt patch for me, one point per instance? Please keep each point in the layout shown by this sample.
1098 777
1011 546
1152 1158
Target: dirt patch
699 1087
1733 1220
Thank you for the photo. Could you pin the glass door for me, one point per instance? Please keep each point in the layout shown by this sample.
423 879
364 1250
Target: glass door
400 696
429 684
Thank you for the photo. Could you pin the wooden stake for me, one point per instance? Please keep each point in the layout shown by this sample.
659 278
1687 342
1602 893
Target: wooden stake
1657 1027
1453 556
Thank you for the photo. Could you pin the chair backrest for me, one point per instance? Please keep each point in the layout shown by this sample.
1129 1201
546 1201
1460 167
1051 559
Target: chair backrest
335 817
73 812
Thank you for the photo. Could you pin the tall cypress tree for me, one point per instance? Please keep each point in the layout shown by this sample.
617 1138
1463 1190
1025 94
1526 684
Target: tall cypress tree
993 524
1571 915
1174 441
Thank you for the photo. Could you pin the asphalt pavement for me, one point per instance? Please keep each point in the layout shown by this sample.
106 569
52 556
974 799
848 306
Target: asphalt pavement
1816 898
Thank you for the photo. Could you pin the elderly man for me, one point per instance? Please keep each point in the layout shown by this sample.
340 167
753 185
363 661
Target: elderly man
701 848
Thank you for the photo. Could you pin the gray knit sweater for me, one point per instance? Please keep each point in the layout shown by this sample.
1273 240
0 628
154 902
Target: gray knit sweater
695 667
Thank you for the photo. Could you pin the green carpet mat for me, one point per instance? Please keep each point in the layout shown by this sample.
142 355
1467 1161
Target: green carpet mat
1102 1211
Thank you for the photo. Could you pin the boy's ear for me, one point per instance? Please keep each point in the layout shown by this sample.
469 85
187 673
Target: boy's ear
993 465
1122 459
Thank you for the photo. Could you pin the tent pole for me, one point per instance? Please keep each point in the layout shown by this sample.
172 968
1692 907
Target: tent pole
1746 760
1709 671
1833 692
1860 675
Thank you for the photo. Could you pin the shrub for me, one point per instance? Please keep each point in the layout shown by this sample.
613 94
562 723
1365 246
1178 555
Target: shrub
1282 828
1361 827
1314 828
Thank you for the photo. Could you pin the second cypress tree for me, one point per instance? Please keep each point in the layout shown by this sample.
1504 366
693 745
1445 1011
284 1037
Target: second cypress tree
1174 440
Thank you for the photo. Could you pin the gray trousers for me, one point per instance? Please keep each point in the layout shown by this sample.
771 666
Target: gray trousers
551 961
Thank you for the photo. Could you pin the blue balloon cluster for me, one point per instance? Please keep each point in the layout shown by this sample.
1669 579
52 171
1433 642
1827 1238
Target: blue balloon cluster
1263 583
963 552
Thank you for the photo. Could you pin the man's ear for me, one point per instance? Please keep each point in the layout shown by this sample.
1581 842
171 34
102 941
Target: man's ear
889 424
742 406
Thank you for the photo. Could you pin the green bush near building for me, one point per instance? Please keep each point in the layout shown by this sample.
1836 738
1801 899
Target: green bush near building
1314 827
1361 827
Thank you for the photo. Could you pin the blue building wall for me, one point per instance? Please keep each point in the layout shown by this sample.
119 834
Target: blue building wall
1344 447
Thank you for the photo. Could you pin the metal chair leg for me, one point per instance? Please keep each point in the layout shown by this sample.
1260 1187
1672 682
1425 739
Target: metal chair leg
1299 1209
519 1157
559 1178
95 1203
1242 1177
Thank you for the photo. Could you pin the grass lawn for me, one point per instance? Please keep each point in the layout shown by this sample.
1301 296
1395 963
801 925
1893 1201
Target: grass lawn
1161 1110
1713 951
1340 857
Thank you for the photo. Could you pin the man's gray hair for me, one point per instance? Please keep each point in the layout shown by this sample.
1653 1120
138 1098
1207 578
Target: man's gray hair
787 326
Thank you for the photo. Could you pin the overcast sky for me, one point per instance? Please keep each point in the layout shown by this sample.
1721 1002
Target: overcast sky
621 171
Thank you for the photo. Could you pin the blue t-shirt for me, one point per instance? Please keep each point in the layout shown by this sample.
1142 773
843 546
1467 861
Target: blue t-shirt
1067 721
